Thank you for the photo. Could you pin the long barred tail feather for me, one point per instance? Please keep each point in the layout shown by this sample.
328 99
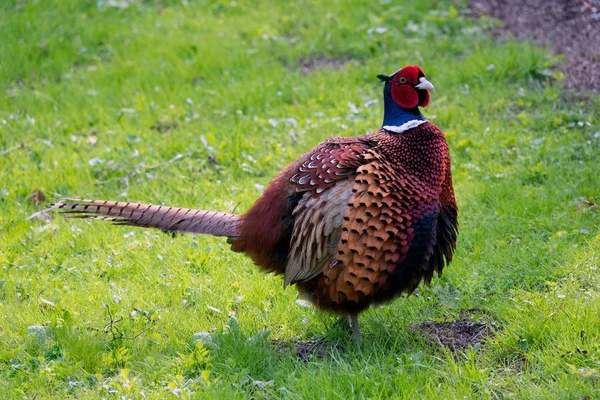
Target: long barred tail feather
167 219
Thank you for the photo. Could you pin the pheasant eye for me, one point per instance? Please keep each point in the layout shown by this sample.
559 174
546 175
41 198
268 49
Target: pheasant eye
402 79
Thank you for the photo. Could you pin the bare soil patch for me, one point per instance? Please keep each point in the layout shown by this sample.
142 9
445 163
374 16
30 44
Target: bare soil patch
458 335
305 349
569 27
308 65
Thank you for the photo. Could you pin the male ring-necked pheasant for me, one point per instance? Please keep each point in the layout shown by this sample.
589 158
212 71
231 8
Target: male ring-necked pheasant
355 221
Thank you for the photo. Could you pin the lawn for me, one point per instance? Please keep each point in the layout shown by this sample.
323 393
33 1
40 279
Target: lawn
199 104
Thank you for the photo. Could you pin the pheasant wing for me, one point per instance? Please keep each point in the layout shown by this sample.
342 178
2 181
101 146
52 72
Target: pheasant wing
325 176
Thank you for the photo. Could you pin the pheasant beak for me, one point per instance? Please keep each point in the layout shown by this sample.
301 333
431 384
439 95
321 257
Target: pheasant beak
424 84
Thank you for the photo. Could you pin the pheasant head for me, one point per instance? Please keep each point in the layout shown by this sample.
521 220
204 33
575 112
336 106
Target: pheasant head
404 92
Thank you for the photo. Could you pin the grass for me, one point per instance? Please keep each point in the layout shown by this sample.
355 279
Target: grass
199 104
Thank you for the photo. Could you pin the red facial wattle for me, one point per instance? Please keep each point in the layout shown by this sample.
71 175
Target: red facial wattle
405 95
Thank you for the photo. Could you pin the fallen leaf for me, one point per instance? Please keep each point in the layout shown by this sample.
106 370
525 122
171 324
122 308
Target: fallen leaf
36 197
215 309
586 204
46 302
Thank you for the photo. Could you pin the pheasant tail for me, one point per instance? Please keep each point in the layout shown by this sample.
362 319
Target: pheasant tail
167 219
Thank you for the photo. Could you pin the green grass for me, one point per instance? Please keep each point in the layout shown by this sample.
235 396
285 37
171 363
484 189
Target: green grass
200 103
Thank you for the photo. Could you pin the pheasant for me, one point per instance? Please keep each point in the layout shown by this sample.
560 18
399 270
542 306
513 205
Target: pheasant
354 222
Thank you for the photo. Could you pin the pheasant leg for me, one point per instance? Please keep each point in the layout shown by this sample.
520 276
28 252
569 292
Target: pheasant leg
353 321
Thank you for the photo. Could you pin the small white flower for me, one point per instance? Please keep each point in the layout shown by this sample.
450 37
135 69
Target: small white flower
303 303
95 161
